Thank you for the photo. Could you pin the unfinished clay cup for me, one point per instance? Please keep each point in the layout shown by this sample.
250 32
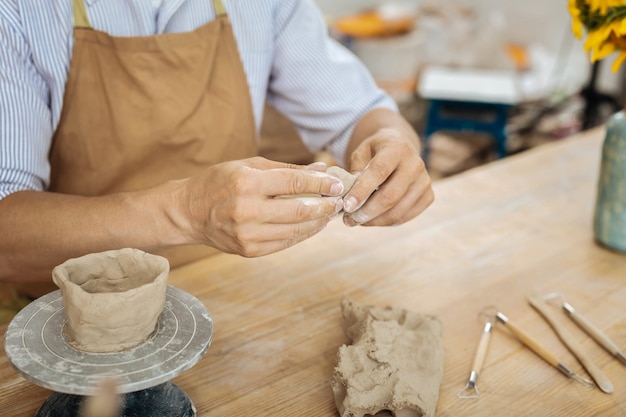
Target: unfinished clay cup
112 299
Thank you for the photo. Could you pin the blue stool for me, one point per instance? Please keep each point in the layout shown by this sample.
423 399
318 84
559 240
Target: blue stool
465 99
467 116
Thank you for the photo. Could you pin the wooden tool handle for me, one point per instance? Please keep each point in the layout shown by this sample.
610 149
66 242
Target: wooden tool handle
533 345
483 345
593 331
598 376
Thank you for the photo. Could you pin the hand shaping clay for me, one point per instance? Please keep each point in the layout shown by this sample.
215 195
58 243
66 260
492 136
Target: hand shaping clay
395 362
112 299
347 178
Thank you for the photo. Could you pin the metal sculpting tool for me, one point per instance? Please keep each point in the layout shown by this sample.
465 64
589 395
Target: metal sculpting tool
592 330
541 351
601 380
471 390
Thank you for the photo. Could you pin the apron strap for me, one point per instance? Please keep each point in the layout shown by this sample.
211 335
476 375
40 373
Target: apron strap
219 8
81 20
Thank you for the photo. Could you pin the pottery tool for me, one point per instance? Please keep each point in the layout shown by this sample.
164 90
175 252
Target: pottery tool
471 390
541 351
37 346
601 380
105 403
592 330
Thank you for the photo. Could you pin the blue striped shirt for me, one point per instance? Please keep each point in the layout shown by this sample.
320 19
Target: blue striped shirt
287 56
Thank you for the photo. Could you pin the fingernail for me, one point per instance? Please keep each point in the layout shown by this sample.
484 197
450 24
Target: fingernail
348 221
350 204
336 188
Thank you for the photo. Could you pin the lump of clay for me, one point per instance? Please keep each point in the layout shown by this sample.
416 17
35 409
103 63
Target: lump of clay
112 299
395 362
346 178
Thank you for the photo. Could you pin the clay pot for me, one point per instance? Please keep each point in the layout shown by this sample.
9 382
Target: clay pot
112 299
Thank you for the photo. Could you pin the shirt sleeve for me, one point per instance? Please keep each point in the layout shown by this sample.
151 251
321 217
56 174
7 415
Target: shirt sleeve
25 126
316 82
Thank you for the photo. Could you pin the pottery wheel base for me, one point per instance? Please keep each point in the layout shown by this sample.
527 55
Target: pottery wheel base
165 400
37 347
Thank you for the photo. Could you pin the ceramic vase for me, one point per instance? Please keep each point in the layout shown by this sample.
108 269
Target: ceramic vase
610 209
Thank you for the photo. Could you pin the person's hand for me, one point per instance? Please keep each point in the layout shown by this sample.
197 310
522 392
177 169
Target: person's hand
234 206
392 186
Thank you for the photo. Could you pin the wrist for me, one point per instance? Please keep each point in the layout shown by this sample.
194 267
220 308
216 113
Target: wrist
165 205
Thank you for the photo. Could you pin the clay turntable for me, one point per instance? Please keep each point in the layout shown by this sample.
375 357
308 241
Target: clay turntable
39 345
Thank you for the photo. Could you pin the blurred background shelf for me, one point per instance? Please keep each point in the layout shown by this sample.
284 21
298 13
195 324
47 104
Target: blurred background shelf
551 90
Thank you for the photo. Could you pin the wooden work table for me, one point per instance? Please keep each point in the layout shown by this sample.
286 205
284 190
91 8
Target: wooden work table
494 235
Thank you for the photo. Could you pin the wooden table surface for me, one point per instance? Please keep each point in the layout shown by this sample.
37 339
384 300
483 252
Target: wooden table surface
494 235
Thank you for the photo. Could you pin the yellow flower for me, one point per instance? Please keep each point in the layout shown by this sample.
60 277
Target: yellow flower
605 41
618 61
604 5
605 23
597 42
577 24
620 43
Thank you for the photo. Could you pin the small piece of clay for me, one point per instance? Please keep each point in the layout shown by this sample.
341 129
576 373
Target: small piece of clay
112 299
395 362
346 178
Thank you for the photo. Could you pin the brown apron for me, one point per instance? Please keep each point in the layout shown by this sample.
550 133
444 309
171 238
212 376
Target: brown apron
139 111
280 141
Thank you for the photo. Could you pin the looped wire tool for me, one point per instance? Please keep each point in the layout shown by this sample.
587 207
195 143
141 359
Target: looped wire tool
470 390
593 331
541 351
601 380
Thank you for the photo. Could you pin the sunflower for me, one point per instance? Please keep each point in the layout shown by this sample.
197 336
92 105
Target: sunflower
603 6
577 24
605 24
